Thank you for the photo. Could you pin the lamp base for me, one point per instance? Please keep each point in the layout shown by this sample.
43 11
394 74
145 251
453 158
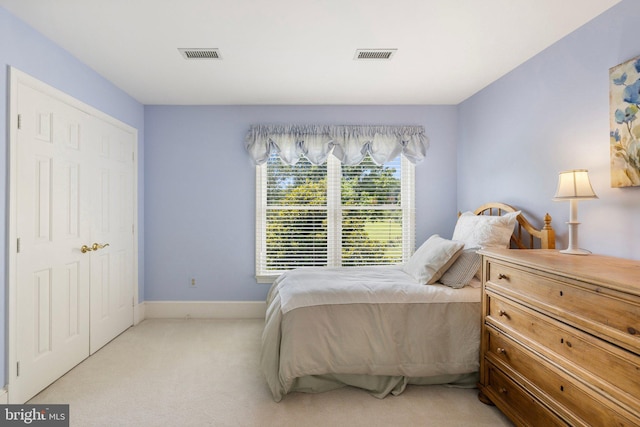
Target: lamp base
573 248
575 251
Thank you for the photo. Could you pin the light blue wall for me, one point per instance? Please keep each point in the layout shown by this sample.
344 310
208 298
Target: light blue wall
549 115
29 51
200 190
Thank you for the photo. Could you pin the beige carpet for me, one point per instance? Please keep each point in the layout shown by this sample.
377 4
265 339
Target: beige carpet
205 373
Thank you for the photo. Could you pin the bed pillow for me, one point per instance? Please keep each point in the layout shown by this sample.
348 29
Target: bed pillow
463 269
432 259
485 231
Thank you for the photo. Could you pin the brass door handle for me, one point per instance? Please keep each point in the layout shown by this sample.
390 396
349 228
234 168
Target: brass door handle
84 249
97 246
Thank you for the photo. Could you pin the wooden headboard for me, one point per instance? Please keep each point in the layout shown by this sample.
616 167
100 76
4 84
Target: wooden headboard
525 234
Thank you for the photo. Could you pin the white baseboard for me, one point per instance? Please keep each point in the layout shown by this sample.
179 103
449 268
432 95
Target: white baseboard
204 309
138 313
4 397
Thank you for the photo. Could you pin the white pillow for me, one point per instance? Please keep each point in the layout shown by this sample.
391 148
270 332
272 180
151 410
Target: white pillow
462 271
485 231
432 259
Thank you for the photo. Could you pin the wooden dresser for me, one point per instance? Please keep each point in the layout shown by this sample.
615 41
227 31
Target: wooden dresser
561 338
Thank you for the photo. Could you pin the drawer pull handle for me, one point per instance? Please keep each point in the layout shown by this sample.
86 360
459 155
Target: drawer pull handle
501 350
503 390
503 276
502 313
631 330
569 344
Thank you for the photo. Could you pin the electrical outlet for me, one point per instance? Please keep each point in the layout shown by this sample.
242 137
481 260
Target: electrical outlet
192 284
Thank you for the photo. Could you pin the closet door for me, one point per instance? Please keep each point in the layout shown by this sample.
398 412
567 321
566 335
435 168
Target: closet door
112 279
72 273
52 286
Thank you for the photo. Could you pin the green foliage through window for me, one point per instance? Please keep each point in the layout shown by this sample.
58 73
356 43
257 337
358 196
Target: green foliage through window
314 218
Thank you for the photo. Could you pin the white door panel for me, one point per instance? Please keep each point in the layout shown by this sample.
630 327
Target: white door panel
111 266
72 184
53 275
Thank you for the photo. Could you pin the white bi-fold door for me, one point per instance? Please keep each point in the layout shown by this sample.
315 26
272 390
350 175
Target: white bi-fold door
72 266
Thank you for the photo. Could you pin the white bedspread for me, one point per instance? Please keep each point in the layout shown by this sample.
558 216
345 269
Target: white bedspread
329 327
306 287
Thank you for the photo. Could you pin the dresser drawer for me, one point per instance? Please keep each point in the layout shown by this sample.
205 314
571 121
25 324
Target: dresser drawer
572 399
614 370
603 315
515 401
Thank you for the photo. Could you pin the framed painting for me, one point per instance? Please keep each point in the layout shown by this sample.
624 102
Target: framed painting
624 107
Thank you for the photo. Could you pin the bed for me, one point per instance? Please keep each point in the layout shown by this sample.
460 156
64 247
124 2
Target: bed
384 327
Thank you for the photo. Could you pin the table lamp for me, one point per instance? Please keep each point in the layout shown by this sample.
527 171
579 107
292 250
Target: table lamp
574 185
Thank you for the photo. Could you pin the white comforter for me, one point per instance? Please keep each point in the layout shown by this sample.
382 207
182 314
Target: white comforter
324 325
307 287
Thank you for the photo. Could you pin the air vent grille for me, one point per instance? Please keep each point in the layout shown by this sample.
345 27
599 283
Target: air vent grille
200 53
374 54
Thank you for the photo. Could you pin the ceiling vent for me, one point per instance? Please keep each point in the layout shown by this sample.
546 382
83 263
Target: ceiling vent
199 53
374 54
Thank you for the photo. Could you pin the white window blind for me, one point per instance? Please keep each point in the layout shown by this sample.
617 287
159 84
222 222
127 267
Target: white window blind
332 214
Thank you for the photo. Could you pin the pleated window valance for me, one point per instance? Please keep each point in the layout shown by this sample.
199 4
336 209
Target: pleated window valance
350 144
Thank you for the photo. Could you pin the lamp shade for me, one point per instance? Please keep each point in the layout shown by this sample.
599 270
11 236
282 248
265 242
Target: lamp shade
574 185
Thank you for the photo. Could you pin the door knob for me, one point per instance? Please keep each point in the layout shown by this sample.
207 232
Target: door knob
84 249
97 246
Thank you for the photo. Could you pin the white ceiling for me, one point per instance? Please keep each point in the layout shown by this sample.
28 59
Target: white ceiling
301 51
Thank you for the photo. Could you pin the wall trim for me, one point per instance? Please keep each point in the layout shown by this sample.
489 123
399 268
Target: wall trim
4 397
204 309
138 313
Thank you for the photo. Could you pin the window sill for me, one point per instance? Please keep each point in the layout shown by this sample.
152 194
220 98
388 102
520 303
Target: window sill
267 279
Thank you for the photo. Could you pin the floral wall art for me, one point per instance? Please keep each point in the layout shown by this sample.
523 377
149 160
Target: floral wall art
624 102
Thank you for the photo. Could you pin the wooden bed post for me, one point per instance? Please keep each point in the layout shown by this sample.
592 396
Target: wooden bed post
548 235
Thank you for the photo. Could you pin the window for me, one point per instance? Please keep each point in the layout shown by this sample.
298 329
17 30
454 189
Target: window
332 214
